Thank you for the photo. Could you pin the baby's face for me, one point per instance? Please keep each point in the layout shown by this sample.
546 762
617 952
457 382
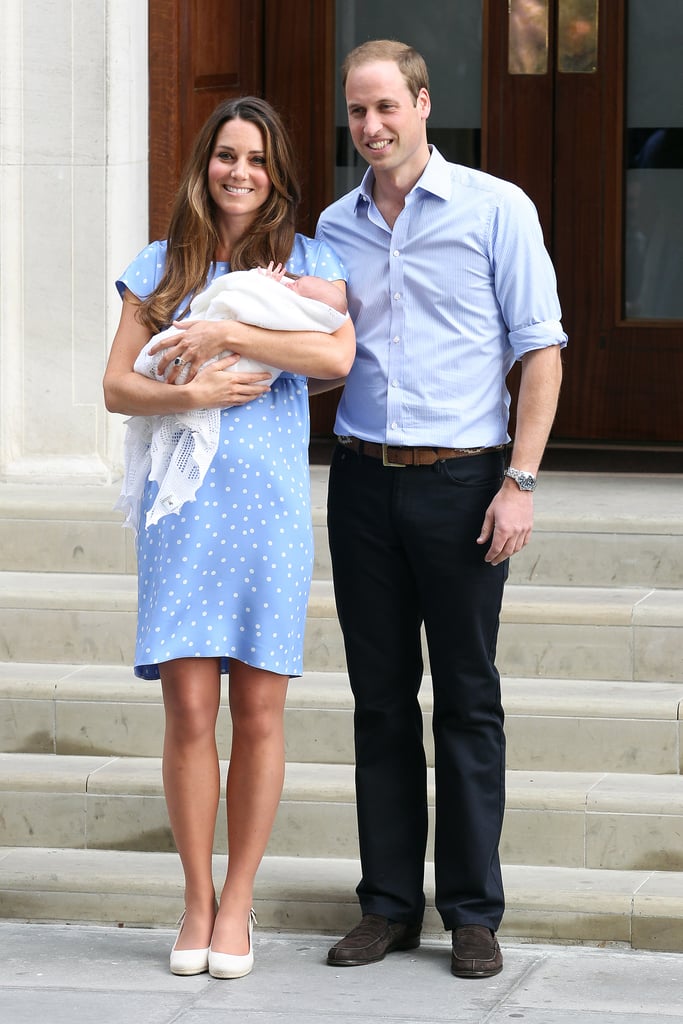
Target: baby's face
317 288
306 286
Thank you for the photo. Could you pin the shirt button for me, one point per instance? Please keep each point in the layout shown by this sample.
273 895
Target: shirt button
397 295
397 252
396 340
394 425
394 383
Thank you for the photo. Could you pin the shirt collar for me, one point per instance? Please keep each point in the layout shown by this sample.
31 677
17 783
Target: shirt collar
436 179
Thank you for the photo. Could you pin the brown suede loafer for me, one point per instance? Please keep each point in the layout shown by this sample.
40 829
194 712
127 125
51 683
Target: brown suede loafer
476 953
371 940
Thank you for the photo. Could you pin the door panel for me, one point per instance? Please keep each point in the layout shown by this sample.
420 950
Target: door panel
577 246
622 375
200 52
517 110
299 82
221 43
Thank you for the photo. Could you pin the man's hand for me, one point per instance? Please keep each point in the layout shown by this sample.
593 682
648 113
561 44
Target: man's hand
507 523
510 516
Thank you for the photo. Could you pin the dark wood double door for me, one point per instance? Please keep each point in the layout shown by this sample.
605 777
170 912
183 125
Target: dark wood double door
560 135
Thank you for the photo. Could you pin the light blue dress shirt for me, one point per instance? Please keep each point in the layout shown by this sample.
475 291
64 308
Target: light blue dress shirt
443 305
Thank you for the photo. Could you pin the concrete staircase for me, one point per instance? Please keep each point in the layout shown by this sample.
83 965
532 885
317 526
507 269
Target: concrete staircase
591 651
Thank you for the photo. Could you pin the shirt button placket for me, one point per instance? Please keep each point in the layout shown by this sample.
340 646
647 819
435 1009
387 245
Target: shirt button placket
396 330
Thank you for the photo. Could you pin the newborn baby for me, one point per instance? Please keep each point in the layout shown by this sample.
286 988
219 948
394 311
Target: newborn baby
176 450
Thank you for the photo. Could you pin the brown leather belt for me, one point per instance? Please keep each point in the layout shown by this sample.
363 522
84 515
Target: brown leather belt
394 455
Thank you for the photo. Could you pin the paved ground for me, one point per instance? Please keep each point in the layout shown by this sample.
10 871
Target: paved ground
55 974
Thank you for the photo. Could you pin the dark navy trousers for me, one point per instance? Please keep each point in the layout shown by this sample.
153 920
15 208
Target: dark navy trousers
404 553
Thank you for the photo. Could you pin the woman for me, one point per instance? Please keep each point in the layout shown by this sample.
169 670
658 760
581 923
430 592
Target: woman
223 585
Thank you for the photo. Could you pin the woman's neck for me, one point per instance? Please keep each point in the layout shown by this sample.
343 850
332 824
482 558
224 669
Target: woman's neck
225 247
229 234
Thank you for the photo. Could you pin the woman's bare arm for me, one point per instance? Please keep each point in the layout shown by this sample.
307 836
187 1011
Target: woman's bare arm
133 394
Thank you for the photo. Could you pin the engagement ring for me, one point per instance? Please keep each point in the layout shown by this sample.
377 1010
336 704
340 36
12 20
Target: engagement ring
178 361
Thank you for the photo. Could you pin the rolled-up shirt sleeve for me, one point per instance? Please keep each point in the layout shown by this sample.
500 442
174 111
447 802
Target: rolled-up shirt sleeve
525 281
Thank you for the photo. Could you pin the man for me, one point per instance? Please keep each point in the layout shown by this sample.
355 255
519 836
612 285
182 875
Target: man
449 284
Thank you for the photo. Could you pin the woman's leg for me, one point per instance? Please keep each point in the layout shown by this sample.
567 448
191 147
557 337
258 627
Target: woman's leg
191 689
255 778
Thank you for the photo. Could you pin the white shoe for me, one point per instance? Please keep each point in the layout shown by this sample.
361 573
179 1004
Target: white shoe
188 961
229 965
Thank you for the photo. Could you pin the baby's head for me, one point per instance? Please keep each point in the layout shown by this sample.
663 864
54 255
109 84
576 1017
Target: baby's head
317 288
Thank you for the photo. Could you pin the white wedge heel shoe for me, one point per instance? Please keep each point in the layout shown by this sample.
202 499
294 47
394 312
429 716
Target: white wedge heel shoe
229 965
188 961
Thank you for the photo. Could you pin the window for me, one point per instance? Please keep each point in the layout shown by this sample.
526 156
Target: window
653 215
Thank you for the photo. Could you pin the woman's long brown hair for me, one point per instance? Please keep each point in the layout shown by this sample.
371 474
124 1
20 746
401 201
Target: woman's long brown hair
192 235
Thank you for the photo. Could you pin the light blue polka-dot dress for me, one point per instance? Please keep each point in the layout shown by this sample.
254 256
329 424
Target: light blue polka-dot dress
229 576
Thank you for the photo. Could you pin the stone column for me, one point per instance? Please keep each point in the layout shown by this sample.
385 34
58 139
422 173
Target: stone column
73 194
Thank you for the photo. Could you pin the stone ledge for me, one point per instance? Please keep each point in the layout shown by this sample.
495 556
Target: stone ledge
554 724
643 909
619 606
600 503
564 818
600 530
594 792
590 698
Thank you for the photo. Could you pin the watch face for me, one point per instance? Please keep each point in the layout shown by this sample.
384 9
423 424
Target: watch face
525 481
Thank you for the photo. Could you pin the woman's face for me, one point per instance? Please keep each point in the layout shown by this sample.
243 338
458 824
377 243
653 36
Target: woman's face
238 179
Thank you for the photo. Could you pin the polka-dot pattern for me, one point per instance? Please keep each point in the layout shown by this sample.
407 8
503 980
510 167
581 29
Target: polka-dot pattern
229 576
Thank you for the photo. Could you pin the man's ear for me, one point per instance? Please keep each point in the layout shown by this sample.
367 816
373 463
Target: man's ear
424 103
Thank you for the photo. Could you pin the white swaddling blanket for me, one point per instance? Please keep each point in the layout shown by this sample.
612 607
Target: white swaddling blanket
176 450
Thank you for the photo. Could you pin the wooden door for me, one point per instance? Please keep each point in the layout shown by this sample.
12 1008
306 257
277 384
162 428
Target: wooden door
561 135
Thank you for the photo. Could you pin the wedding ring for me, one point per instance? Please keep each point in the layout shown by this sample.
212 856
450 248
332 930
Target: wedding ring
178 361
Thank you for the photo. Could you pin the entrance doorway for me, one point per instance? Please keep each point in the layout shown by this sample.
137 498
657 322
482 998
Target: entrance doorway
577 101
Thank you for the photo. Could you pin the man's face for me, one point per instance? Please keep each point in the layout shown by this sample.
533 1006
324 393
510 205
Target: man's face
387 125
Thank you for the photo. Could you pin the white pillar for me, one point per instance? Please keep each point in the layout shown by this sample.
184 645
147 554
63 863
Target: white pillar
73 191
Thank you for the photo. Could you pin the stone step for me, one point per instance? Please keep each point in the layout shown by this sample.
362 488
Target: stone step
551 724
602 530
76 529
628 633
642 909
615 821
590 649
595 530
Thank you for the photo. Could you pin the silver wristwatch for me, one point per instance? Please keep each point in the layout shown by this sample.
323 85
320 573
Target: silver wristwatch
525 481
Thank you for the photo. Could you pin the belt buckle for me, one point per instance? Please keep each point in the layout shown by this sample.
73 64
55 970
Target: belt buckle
385 460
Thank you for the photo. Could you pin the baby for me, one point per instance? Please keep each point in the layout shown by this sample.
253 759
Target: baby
217 302
176 450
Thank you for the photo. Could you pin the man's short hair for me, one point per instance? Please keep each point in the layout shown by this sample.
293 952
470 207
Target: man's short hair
410 63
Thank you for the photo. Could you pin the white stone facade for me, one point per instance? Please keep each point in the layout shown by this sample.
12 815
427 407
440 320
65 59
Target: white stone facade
73 196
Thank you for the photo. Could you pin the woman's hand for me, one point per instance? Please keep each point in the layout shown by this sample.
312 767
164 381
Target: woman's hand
133 394
197 342
214 388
